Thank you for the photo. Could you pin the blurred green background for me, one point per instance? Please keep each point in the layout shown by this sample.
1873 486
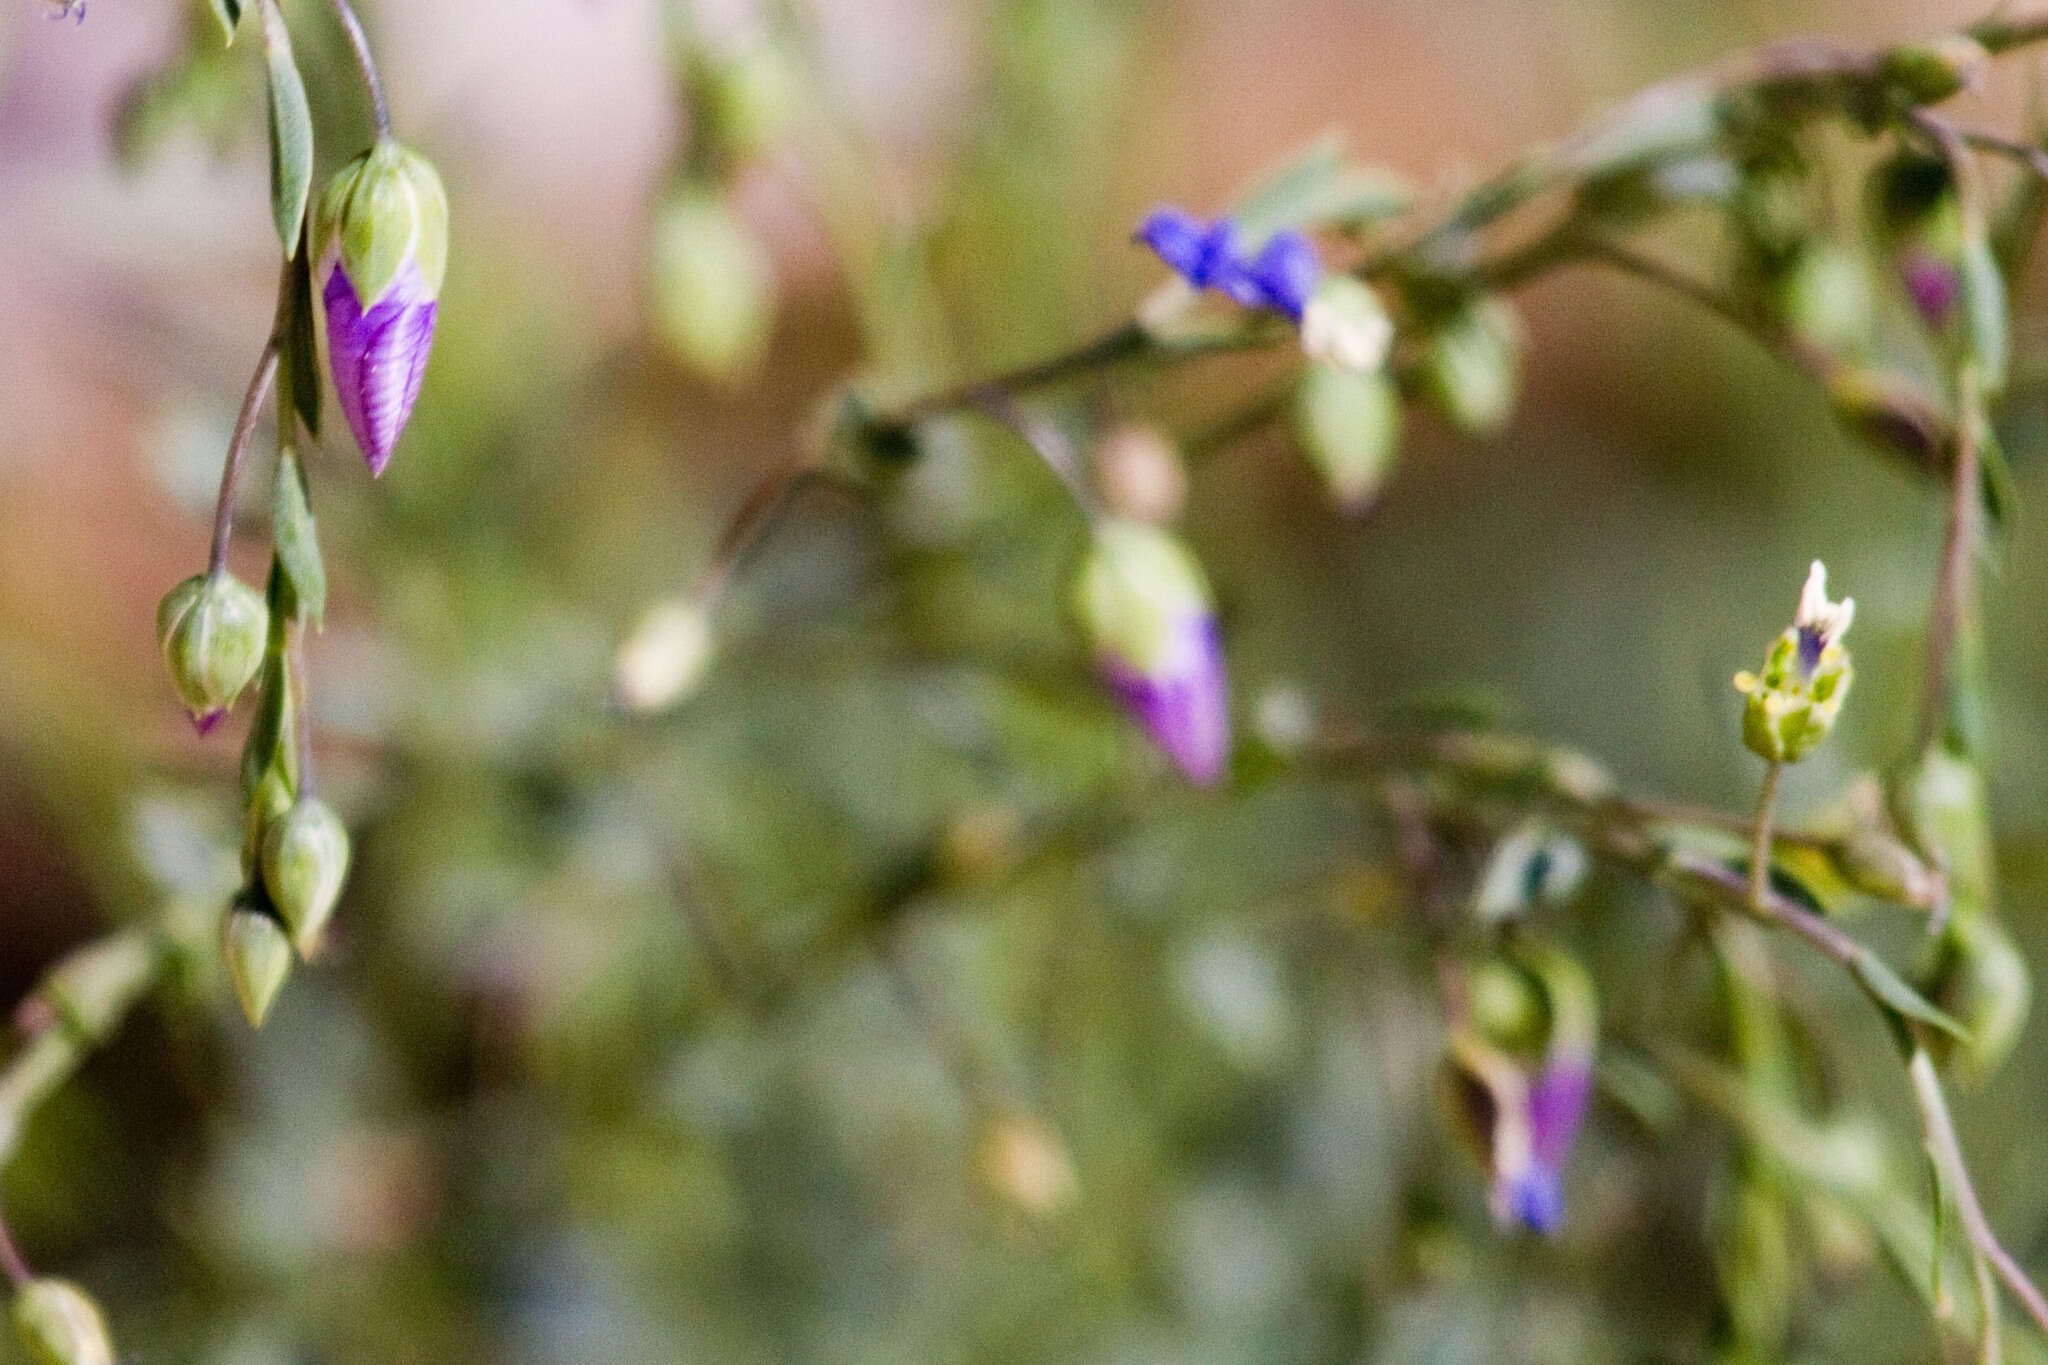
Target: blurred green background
776 1028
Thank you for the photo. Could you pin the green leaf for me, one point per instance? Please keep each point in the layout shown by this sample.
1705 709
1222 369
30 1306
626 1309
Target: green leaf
297 544
1884 986
1314 188
299 360
291 132
229 12
270 736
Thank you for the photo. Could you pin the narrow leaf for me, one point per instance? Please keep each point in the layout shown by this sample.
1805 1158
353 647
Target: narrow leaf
299 361
291 132
298 546
229 12
1884 986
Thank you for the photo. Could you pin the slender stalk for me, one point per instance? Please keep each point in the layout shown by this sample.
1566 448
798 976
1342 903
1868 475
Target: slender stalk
359 42
1955 587
238 446
1046 440
1119 343
1760 841
1940 1132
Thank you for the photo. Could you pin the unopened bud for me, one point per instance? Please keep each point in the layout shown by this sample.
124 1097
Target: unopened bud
211 629
666 658
1931 71
1505 1005
59 1324
1145 605
1026 1162
1141 474
258 954
380 239
1919 219
1983 982
1793 701
1349 423
1346 325
713 287
1940 806
745 96
305 860
1474 366
1825 298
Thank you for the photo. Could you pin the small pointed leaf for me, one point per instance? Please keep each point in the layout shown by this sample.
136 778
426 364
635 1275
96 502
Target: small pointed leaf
1884 986
291 132
298 546
229 12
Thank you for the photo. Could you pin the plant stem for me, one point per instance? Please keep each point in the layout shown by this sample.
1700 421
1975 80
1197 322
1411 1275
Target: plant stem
380 112
12 1263
1956 580
1940 1132
238 446
1760 841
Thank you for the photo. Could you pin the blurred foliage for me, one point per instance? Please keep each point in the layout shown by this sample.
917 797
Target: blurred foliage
890 1000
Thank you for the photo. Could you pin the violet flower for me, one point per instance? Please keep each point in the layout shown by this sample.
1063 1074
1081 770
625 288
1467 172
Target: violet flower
1280 275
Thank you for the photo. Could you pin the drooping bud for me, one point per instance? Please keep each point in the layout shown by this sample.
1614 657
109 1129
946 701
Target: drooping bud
666 658
1919 218
1474 366
305 860
59 1324
1982 981
713 286
1793 702
1823 294
1346 325
258 954
1141 474
211 629
380 240
1145 605
1349 423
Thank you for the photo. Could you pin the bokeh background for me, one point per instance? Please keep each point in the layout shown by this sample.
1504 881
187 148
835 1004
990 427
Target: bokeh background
715 1037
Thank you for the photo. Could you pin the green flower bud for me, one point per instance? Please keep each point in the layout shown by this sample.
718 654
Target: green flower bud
1982 981
211 629
1505 1006
713 287
1141 474
59 1324
1349 423
305 859
1793 702
382 211
1931 71
259 956
1346 325
1473 366
1825 298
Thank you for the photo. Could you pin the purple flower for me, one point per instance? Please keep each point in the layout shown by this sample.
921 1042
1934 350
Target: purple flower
1185 709
1934 285
378 357
1280 275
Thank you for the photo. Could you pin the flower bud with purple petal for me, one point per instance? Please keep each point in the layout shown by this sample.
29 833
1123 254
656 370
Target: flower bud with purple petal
1280 275
1919 218
381 242
1145 605
211 629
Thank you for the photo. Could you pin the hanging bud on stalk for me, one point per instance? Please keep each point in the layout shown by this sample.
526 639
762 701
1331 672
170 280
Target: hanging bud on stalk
381 240
1145 605
211 629
1349 423
1981 979
305 859
59 1324
258 954
1919 218
1793 702
1473 366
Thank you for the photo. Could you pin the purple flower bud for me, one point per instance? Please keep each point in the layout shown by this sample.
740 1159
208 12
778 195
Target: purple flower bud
1557 1105
1286 272
1535 1199
378 357
1176 237
1186 709
1934 285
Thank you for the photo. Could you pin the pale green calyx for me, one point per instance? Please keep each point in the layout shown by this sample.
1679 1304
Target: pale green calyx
383 210
211 629
1138 592
258 954
305 860
1794 700
59 1324
1346 325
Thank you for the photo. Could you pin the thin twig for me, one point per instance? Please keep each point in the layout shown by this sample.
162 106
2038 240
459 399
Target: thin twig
12 1263
238 446
359 42
1760 843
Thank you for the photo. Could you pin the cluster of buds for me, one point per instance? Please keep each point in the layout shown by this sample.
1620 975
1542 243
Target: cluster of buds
1518 1074
1145 606
381 236
1793 700
1279 274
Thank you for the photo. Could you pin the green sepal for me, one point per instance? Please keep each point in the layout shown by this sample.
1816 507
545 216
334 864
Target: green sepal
385 208
297 544
299 354
291 132
229 12
270 739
